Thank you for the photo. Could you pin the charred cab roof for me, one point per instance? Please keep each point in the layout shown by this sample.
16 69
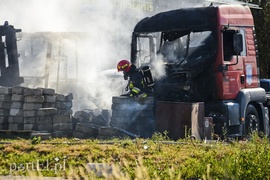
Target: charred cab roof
200 18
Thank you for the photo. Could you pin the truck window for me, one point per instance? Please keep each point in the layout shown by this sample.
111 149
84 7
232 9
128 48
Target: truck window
145 49
243 32
228 51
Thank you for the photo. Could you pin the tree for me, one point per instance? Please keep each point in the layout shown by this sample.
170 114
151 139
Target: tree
262 26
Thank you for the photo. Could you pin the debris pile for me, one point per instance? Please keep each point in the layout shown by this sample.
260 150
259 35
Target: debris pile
41 110
88 121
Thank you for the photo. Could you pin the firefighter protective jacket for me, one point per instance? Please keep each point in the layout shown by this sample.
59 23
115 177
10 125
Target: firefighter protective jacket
136 83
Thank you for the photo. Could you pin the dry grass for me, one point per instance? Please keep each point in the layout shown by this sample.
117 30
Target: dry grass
136 159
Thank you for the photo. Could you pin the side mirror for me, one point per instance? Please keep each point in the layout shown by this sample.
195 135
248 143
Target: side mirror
238 43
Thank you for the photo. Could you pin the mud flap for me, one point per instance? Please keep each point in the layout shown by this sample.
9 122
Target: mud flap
266 121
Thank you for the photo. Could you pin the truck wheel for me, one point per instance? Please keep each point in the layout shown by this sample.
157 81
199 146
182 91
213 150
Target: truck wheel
252 120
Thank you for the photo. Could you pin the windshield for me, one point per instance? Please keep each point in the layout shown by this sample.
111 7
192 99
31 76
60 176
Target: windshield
182 48
185 49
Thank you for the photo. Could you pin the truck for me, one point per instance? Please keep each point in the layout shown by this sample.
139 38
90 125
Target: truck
209 55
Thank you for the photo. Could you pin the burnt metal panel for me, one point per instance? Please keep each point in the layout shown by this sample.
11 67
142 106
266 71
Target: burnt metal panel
200 18
176 117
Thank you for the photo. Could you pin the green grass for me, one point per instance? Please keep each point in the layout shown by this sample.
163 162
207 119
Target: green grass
155 158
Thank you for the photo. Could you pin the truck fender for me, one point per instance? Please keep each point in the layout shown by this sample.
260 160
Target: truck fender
265 116
245 96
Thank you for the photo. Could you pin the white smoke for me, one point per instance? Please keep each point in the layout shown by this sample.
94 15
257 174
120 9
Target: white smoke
158 68
108 25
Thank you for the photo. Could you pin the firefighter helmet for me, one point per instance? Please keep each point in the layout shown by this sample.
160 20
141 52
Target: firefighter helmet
123 65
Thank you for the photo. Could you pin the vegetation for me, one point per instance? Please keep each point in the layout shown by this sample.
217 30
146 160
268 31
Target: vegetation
262 25
155 158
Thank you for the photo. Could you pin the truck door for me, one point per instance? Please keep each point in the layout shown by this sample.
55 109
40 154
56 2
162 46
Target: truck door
233 72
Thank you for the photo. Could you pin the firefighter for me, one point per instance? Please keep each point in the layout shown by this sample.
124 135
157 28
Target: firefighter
136 83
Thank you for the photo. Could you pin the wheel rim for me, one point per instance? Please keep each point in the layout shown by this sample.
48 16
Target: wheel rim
253 124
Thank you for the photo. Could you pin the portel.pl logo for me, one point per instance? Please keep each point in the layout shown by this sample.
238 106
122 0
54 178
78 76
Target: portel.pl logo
55 165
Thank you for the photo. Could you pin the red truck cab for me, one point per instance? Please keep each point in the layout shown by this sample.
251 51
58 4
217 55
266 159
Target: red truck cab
209 55
235 72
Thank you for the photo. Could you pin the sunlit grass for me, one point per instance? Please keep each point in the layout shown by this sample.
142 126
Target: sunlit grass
155 158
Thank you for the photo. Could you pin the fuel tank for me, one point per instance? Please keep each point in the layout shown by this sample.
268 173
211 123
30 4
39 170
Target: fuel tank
180 119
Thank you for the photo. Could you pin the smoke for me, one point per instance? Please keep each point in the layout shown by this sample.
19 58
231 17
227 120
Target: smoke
158 68
78 64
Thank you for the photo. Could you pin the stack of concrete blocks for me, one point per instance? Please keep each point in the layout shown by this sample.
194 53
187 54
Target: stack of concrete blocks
63 121
36 109
5 103
16 114
63 103
33 100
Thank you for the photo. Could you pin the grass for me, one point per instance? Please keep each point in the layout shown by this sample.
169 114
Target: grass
155 158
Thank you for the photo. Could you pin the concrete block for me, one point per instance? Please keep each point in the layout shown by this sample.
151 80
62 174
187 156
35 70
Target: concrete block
69 97
59 97
88 130
5 105
30 127
65 112
62 119
80 135
63 105
48 91
30 120
17 90
15 126
4 126
4 112
29 113
33 92
49 98
16 105
5 97
62 127
46 111
45 120
17 97
48 105
45 127
82 120
32 106
34 99
15 119
3 119
5 90
16 112
84 115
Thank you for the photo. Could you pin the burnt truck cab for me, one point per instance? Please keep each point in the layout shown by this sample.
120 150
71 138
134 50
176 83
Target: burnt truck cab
205 54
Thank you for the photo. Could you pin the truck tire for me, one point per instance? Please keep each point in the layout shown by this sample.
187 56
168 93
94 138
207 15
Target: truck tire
252 121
